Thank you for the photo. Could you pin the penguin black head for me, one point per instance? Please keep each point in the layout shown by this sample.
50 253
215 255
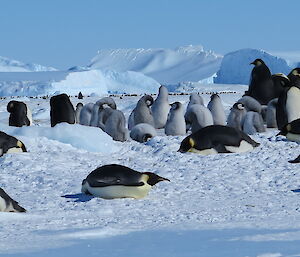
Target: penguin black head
296 72
175 105
238 106
258 62
146 137
214 96
283 79
148 99
154 178
186 144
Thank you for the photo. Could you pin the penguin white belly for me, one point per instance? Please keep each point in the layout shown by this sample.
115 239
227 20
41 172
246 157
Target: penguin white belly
243 147
204 152
15 150
293 104
2 204
111 192
293 137
29 116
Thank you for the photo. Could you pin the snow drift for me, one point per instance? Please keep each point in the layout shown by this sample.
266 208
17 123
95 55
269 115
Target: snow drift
167 66
235 68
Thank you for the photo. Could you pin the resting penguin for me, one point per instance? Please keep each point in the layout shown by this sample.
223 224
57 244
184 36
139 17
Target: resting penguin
217 110
253 123
271 113
261 84
160 108
291 131
142 112
142 132
86 114
236 116
175 124
20 114
198 116
7 204
9 144
79 107
195 98
217 139
61 110
250 104
117 181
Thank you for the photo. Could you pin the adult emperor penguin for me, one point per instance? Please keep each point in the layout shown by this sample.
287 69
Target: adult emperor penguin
79 107
142 112
20 114
142 132
7 204
271 113
61 110
117 181
294 77
253 123
217 139
236 116
198 116
10 144
261 84
195 98
160 108
217 110
291 131
176 123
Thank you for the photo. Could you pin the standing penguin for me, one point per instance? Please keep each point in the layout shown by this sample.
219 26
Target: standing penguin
253 123
175 124
7 204
160 108
261 84
271 113
198 116
86 114
217 139
20 114
217 110
142 132
236 116
117 181
281 82
79 107
294 77
61 110
142 112
195 98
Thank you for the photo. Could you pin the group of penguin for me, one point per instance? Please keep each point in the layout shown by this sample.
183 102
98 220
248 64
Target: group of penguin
271 99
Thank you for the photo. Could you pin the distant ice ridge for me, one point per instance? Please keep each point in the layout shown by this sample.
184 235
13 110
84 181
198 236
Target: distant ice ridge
167 66
236 69
9 65
100 82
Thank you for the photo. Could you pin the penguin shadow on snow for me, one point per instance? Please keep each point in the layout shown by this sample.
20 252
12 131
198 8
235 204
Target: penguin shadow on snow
80 197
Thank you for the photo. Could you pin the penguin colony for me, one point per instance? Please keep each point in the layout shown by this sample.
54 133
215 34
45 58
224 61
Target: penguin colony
271 100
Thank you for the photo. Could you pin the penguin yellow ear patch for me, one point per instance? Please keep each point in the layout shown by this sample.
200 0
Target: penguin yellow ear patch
192 142
19 144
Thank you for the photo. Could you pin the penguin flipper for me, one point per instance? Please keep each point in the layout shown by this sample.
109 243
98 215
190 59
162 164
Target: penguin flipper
297 160
17 207
115 183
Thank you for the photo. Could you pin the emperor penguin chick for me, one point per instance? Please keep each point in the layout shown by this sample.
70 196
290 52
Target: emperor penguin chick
271 113
142 112
160 108
79 107
253 123
142 132
195 98
236 116
175 124
217 110
198 116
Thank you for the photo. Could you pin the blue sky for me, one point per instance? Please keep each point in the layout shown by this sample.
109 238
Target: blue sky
64 33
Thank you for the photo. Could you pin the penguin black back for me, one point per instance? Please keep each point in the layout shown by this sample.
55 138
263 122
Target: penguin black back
18 114
62 110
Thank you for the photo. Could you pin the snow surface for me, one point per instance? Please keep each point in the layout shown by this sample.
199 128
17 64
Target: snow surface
167 66
236 69
9 65
218 205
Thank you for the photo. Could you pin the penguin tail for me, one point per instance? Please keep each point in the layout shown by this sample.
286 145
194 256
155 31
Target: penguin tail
17 207
297 160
